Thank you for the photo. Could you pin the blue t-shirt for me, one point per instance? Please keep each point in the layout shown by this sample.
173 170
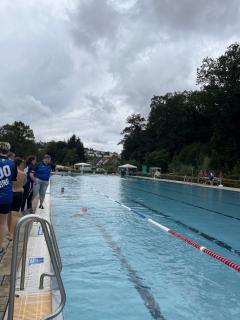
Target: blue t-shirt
43 171
8 173
29 168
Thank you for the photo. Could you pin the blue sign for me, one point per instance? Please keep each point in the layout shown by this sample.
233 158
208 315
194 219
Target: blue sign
40 231
36 260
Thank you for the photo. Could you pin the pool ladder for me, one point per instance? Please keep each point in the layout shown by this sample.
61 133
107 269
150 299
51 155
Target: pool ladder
55 257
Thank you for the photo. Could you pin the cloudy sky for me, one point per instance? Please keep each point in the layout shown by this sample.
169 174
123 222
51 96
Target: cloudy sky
83 66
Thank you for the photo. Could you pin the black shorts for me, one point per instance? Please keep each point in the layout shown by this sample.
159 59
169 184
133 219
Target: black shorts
5 208
17 201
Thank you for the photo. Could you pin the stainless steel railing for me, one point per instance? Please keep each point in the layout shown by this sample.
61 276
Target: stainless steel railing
52 246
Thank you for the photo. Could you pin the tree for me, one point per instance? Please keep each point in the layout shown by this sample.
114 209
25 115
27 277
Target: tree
66 153
191 126
220 78
75 143
222 72
21 138
70 157
134 138
159 158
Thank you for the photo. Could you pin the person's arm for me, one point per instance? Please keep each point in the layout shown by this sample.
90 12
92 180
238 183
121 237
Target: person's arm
14 172
24 180
31 174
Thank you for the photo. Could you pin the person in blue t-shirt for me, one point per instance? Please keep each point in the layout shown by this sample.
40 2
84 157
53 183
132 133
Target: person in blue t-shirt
210 177
42 173
8 173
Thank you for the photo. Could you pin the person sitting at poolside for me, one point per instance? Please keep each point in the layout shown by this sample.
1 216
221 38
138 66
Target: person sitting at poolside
17 196
210 177
8 173
41 178
157 174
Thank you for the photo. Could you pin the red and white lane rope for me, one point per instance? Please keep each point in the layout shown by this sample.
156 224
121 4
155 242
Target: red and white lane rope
192 243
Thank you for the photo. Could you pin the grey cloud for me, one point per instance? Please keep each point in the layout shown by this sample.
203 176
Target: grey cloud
34 59
154 47
23 108
185 17
95 22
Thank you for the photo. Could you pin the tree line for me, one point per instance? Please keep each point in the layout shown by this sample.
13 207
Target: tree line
192 129
23 143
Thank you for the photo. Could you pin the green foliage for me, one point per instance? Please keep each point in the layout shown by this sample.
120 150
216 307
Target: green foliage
236 171
66 153
223 72
205 165
133 138
197 129
20 136
159 158
22 140
70 157
110 168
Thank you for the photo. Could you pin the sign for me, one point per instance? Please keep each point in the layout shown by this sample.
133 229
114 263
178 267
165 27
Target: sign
36 260
40 231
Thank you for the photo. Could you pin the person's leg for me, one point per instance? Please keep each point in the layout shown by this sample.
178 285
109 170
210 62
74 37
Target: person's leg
13 221
29 199
14 214
36 187
3 230
41 198
25 195
9 222
42 192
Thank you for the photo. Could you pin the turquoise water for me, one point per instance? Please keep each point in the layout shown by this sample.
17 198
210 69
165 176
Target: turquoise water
118 266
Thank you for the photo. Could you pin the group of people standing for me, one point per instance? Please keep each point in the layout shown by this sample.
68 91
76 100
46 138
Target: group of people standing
20 183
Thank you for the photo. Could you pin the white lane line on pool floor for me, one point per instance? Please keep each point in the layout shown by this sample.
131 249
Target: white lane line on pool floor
194 244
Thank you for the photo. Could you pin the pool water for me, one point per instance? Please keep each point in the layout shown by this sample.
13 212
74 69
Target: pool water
118 266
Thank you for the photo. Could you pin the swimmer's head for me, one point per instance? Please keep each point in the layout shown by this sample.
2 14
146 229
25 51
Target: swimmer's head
81 212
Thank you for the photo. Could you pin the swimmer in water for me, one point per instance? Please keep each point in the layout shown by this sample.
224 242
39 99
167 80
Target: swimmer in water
81 213
62 190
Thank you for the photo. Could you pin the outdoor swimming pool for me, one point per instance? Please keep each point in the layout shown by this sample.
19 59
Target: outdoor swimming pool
118 266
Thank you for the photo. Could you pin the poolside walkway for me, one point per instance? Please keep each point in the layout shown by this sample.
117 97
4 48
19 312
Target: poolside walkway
5 268
189 183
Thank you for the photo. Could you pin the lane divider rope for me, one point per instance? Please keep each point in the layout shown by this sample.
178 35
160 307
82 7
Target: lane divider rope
194 244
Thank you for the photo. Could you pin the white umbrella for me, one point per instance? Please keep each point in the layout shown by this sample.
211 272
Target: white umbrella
128 166
82 164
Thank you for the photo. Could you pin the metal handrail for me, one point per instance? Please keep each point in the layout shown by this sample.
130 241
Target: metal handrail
25 241
43 275
24 256
53 252
55 245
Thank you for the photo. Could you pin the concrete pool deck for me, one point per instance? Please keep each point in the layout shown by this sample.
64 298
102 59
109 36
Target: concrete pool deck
5 265
187 183
30 303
